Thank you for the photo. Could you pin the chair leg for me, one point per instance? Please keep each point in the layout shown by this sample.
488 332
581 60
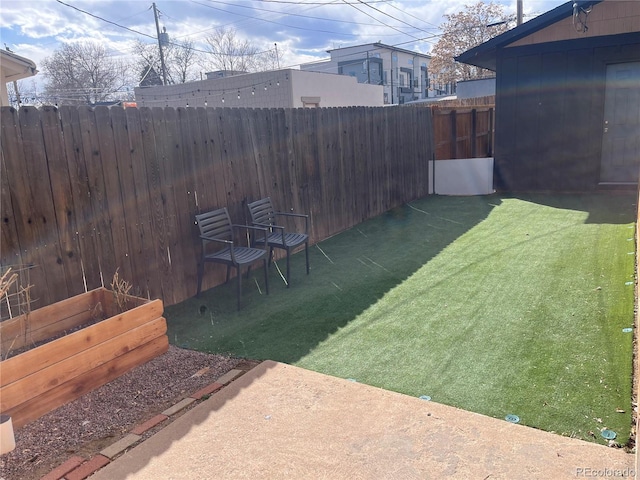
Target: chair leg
200 273
288 269
228 272
266 276
306 254
239 289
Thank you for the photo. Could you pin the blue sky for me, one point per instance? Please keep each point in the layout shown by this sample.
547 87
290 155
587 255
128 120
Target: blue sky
303 30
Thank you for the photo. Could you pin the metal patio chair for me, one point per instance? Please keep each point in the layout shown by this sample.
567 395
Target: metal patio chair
264 215
216 228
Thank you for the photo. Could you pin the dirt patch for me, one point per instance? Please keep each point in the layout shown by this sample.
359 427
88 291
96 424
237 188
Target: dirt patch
98 419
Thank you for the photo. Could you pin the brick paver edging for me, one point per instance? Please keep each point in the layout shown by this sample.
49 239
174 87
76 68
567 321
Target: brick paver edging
78 468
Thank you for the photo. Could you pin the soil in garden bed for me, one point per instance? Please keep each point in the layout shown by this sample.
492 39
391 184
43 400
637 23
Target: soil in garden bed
32 345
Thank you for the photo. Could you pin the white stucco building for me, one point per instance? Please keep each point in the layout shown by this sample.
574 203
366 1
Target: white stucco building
274 89
403 74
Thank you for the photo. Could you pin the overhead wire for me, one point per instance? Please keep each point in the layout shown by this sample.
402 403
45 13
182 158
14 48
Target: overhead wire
289 14
371 16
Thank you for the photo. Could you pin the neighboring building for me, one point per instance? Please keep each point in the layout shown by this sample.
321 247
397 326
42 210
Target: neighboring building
273 89
567 97
223 74
13 68
479 87
403 74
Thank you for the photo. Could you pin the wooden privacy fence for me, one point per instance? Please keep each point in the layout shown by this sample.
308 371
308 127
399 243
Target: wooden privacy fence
86 192
463 132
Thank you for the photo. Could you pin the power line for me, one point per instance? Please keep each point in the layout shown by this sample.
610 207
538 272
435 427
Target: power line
288 14
105 20
391 16
273 21
371 16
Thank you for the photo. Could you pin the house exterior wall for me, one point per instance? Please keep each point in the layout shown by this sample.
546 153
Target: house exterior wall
609 17
549 111
13 68
274 89
402 73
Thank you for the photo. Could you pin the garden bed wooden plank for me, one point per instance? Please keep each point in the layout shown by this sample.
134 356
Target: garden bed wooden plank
39 382
45 355
43 322
62 394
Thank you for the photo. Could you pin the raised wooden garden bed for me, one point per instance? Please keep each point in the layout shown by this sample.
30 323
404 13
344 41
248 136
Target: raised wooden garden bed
95 341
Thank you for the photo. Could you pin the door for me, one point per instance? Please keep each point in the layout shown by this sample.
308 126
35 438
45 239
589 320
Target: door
620 161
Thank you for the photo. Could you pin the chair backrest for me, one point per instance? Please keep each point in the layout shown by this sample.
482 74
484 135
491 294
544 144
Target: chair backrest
262 212
216 224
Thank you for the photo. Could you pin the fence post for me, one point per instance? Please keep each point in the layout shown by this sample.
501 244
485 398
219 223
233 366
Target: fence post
490 139
474 132
454 135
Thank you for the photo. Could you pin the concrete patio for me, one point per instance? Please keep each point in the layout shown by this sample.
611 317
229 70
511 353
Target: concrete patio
281 421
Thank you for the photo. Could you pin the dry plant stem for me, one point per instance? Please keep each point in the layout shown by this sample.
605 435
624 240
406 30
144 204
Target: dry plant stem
120 289
25 296
6 281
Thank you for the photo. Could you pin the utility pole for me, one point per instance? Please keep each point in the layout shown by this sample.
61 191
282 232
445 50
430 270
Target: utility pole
519 12
277 57
164 69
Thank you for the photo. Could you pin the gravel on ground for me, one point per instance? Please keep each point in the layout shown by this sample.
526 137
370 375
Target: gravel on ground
101 417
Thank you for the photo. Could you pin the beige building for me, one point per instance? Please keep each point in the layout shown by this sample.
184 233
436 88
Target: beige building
13 68
274 89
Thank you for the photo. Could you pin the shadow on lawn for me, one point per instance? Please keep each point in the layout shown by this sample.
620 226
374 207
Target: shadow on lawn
349 272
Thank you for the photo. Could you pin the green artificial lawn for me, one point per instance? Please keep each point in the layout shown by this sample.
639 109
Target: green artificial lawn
498 305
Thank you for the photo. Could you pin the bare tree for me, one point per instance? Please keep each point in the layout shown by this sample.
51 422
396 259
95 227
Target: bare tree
180 59
83 72
15 92
269 59
228 52
462 31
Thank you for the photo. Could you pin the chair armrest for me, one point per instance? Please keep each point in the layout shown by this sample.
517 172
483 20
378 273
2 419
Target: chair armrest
300 215
213 239
255 229
272 227
219 240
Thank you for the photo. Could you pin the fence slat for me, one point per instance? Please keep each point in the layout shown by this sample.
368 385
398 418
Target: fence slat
42 245
11 178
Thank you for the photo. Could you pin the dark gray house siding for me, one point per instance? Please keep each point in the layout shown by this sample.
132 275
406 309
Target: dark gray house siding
550 101
549 112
